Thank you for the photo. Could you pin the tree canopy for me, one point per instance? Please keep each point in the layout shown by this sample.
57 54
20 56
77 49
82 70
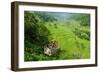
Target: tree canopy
35 31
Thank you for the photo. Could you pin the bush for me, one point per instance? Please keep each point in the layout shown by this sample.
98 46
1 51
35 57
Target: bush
82 33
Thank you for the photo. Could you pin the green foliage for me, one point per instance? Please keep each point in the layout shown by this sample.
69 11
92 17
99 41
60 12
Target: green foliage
82 33
73 36
35 32
84 19
44 16
36 36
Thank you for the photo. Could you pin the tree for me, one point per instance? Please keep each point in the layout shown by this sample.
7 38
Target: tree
84 19
35 31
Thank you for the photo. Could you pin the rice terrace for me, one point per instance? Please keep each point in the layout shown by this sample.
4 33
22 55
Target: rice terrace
56 36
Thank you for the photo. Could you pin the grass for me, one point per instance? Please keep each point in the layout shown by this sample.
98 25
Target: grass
72 44
73 47
71 36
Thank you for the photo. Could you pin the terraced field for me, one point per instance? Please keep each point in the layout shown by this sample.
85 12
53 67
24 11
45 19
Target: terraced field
73 47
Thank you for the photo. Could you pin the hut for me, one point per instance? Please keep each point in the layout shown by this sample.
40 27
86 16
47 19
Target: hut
51 48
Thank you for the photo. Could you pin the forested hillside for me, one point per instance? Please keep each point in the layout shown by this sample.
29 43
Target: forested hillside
69 33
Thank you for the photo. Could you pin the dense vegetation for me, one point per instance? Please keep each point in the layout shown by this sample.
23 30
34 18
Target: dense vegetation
71 31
